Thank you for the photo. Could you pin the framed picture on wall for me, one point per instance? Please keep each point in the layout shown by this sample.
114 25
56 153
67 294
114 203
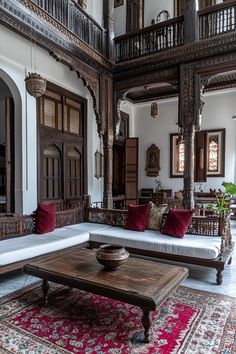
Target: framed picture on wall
213 152
118 3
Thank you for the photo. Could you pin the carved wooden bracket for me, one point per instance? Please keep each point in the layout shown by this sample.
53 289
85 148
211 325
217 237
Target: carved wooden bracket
87 74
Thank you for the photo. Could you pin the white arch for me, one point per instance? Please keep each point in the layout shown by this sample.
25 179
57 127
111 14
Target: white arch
17 139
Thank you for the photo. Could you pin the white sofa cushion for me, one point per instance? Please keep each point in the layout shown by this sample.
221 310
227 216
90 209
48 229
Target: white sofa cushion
88 226
207 247
15 250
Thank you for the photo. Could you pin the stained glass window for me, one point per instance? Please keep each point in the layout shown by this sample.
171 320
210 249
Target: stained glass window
180 157
213 155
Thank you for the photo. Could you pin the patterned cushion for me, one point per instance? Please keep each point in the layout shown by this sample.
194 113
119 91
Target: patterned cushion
155 216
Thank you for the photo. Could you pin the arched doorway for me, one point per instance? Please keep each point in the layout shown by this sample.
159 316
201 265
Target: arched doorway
7 158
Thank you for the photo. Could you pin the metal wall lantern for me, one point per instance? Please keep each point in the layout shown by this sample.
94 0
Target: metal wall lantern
35 84
154 110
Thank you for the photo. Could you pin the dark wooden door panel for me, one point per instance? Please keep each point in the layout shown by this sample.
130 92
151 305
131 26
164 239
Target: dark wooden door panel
9 157
131 170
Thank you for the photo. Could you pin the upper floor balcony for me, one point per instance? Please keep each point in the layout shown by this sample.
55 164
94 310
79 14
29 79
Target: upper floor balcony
76 20
213 21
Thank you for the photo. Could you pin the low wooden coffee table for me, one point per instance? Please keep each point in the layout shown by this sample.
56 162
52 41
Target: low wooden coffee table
143 283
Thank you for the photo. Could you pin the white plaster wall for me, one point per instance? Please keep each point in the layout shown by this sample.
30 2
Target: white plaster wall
128 108
217 113
95 10
15 54
151 9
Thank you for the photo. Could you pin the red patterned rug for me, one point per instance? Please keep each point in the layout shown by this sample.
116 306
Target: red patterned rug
191 321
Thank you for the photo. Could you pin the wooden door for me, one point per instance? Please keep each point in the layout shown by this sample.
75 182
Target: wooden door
200 166
9 157
73 171
131 170
134 18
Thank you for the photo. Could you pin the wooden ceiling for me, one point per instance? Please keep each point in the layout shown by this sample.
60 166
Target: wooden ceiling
163 90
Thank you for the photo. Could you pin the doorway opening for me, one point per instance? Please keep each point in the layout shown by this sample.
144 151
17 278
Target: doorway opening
7 202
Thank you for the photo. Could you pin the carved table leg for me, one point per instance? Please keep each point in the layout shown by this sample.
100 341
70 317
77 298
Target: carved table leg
146 321
230 260
219 277
45 288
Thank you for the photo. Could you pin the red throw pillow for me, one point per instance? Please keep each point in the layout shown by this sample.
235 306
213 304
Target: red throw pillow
45 218
177 222
137 217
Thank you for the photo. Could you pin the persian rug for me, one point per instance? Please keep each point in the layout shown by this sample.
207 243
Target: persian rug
190 321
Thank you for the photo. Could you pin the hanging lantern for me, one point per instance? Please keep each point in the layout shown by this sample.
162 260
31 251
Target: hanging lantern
35 84
154 110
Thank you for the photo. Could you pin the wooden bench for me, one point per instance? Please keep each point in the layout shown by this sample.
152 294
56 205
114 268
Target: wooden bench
210 226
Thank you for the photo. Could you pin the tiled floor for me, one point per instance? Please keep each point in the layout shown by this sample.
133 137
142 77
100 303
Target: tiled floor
199 278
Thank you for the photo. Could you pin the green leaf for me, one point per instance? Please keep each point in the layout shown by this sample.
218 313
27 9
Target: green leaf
229 187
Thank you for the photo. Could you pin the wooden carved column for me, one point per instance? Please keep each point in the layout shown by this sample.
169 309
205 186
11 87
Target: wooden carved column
189 100
107 124
108 23
191 32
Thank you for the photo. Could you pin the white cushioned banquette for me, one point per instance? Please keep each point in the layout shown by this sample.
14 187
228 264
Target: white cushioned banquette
29 246
191 245
22 248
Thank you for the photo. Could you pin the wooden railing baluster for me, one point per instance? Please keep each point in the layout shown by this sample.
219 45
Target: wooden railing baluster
72 16
161 36
216 20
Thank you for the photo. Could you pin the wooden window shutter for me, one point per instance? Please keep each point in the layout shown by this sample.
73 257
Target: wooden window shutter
51 172
73 172
200 163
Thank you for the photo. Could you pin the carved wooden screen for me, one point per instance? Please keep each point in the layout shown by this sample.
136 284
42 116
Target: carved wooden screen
134 16
62 131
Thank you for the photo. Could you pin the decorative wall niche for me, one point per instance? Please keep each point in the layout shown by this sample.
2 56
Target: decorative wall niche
153 161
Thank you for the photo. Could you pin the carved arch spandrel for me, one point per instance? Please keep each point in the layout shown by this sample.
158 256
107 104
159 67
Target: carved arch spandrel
89 77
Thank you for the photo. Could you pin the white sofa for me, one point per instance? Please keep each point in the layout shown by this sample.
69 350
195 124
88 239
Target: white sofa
26 247
207 242
34 245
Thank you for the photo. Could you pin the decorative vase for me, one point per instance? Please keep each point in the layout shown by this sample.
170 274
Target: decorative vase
111 256
35 84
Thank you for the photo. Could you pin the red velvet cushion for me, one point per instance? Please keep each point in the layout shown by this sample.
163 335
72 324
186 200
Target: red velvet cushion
137 217
45 218
177 222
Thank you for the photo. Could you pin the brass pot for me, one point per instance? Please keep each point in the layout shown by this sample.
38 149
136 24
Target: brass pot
111 256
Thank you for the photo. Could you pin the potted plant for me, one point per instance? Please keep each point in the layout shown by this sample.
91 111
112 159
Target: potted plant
223 199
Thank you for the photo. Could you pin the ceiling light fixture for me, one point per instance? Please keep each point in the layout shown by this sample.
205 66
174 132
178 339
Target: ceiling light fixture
155 110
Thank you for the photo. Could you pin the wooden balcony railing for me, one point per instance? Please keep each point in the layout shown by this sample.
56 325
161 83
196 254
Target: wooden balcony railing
69 14
162 36
217 20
